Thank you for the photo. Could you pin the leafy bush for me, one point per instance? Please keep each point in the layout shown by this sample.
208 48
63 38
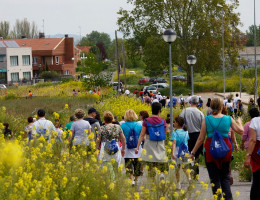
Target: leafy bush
49 75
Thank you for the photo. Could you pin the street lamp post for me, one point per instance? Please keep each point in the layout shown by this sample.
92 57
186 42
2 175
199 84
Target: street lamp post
223 49
191 60
256 92
169 36
240 86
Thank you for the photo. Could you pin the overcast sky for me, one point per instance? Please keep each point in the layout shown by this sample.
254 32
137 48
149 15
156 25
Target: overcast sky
66 16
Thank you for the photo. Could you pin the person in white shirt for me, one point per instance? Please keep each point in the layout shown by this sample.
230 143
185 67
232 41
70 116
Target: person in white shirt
159 96
42 127
235 103
155 100
127 92
188 99
225 101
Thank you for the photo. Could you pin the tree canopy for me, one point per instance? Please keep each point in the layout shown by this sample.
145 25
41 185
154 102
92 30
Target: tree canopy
198 27
250 36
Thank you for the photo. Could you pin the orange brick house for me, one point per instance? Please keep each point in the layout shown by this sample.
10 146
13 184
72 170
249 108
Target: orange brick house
54 54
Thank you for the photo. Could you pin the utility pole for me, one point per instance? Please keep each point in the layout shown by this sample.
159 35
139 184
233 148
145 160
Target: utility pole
256 91
118 67
123 49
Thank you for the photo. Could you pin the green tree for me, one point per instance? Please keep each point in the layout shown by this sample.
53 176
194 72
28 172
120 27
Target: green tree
24 28
196 22
250 36
4 29
96 37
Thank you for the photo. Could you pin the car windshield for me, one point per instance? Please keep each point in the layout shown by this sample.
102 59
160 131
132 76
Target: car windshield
151 88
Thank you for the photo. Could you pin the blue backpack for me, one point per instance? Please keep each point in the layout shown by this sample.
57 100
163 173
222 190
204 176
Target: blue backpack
132 139
218 147
156 131
183 149
111 147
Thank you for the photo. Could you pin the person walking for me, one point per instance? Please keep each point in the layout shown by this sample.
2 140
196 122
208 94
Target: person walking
28 129
154 151
7 132
109 136
42 127
80 129
193 118
246 135
218 168
253 157
180 137
131 129
94 123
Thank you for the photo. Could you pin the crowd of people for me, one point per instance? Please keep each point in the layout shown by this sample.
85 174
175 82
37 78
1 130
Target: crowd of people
141 140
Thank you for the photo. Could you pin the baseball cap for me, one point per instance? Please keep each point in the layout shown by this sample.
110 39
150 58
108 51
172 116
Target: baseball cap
91 110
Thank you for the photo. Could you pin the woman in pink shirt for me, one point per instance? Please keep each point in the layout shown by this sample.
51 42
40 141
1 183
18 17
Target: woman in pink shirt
246 135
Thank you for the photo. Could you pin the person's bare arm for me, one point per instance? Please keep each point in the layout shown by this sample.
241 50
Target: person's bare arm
237 127
141 138
98 141
173 148
251 146
234 140
123 141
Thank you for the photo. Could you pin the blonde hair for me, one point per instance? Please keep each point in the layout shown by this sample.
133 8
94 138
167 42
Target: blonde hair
108 117
79 113
130 115
216 105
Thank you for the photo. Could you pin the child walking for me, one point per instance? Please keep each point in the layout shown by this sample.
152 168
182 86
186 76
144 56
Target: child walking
179 138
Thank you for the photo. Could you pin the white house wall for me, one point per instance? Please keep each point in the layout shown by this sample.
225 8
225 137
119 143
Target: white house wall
20 51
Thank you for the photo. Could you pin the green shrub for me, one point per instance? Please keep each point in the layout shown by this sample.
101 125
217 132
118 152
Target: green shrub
49 75
10 96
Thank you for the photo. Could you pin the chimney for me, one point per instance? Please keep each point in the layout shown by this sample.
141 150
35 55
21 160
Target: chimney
41 35
66 35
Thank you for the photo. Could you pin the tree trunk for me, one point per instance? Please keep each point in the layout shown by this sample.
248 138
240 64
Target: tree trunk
188 77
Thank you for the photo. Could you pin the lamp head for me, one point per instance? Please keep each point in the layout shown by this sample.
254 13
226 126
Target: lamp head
169 35
191 60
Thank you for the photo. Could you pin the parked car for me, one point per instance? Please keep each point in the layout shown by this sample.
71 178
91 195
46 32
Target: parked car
132 72
115 84
160 85
179 78
143 81
152 89
2 86
157 80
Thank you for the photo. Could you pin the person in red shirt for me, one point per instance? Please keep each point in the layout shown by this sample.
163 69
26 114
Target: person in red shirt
135 91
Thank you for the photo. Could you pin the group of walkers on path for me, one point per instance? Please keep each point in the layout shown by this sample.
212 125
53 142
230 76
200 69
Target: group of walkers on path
143 142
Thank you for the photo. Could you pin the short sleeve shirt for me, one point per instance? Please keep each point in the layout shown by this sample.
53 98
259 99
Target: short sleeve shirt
255 124
127 126
153 120
180 136
80 129
43 124
109 132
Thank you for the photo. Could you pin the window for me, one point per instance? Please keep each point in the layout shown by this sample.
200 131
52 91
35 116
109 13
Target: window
14 60
2 58
34 60
14 77
57 60
67 72
27 75
26 60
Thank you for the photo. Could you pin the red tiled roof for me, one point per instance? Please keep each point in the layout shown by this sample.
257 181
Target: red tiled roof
84 48
39 44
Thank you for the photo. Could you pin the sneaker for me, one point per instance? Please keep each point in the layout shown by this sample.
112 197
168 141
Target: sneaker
178 186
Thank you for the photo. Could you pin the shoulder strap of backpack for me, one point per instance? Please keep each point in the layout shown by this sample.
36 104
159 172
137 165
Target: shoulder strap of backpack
217 125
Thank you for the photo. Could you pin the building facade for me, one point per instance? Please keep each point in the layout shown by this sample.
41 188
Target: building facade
15 62
248 56
51 54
